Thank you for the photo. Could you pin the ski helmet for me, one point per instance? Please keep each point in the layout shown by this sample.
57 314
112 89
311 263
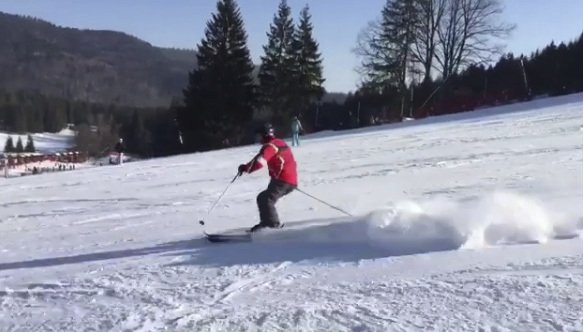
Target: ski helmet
266 130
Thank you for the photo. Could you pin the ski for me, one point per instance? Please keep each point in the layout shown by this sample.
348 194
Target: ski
218 238
235 235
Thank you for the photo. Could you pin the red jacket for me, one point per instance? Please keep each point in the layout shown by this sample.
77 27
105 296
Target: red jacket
277 155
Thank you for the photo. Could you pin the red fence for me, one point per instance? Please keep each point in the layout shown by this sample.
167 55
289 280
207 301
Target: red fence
465 103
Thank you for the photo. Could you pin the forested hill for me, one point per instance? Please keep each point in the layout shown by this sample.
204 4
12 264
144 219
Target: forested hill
88 65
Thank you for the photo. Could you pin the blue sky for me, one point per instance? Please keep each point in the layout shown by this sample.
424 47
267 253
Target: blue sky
181 23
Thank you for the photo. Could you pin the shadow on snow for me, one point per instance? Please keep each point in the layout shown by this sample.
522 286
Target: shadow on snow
325 240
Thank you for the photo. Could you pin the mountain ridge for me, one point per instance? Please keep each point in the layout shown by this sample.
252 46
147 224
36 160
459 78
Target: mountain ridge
102 66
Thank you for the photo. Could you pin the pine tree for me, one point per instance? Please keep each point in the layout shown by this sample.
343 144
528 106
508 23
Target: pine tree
140 138
386 47
399 19
220 95
29 145
9 145
19 148
55 116
278 71
309 61
575 79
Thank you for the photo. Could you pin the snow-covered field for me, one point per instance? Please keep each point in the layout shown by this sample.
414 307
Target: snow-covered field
470 224
44 142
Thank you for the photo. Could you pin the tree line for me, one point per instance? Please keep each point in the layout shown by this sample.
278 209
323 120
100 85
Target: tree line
224 97
419 58
413 39
10 147
553 70
148 132
429 57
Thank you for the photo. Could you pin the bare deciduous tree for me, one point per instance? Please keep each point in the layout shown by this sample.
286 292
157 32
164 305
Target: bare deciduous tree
467 33
420 36
429 13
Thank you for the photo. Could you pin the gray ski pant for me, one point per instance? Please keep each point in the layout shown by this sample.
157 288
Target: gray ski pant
267 200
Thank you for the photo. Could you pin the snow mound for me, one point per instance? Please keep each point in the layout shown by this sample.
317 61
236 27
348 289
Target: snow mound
409 227
66 132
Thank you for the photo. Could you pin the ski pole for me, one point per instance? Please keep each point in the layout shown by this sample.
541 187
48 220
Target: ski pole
325 203
202 222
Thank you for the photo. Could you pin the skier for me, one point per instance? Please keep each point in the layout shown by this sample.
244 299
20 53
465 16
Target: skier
278 157
119 148
296 129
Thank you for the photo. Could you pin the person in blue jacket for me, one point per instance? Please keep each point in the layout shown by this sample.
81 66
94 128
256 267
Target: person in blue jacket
296 129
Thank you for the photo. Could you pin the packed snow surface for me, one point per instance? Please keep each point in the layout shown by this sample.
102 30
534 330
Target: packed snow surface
467 222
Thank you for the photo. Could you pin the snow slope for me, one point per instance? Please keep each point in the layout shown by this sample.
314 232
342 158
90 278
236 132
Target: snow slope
44 142
470 224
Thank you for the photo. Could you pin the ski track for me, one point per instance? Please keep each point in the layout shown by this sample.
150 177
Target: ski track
126 254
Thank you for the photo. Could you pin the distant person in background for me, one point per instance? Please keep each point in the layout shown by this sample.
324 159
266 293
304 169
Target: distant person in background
226 143
296 129
119 148
4 164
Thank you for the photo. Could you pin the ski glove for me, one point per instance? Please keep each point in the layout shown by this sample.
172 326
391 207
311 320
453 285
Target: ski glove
241 169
